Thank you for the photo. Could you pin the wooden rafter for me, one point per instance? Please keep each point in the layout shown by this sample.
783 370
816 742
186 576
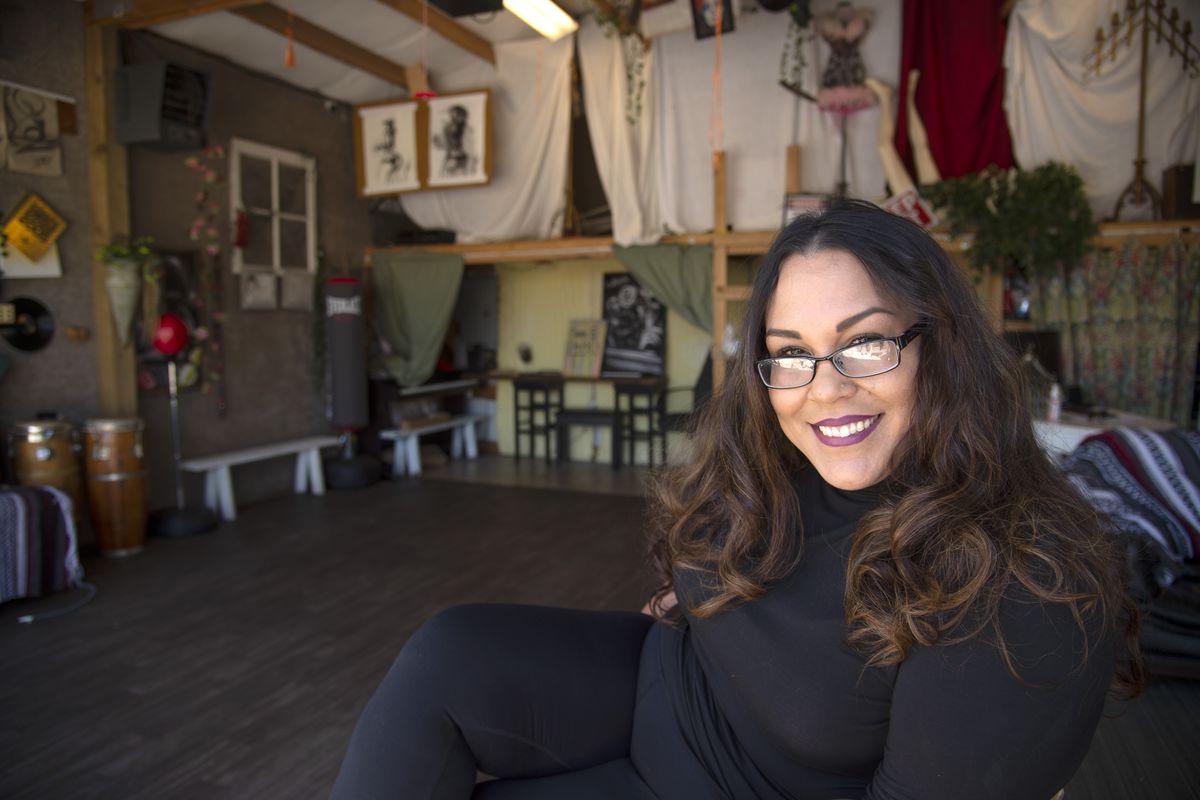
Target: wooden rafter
143 13
445 26
323 41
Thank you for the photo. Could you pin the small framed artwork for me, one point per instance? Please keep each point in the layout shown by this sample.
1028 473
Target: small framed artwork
704 17
458 144
387 155
797 205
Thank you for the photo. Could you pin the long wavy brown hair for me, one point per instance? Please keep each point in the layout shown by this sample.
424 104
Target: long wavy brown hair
974 507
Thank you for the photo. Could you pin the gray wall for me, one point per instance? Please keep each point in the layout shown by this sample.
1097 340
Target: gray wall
41 46
268 354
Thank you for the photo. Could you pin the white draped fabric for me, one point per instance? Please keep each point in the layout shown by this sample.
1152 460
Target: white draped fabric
1057 113
760 119
531 114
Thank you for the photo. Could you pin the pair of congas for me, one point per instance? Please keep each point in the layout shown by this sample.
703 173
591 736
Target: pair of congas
45 453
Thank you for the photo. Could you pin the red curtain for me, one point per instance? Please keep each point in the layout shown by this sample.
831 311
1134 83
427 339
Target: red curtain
960 93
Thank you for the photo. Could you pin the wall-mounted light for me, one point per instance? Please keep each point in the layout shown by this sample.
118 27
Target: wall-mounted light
544 17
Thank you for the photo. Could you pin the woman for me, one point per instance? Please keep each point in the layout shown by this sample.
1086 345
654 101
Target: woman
885 589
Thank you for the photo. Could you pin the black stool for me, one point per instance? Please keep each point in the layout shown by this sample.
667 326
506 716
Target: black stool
537 399
593 417
640 411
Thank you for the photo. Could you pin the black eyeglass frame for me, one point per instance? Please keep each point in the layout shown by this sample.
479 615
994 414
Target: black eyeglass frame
900 341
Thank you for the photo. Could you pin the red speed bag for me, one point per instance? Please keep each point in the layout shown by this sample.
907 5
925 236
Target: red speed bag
171 335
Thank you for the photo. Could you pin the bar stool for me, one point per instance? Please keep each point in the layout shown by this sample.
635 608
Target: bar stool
537 399
640 408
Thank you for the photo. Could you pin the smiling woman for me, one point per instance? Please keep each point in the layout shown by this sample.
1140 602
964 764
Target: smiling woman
874 583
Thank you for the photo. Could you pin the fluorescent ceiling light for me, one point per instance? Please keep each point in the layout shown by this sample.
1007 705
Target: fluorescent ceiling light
544 17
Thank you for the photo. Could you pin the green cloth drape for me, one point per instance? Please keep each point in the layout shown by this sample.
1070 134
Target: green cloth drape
415 295
679 276
1129 318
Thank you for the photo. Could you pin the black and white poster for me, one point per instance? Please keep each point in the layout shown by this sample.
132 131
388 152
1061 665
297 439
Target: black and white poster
637 328
389 148
458 140
30 141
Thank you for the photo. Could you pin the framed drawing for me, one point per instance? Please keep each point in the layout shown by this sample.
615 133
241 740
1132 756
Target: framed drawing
585 348
704 17
386 155
458 144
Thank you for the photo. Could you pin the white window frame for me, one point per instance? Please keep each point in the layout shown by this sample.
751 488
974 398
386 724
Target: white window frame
277 156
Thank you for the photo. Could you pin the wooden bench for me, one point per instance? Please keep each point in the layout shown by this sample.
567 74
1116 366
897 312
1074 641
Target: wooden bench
218 484
406 449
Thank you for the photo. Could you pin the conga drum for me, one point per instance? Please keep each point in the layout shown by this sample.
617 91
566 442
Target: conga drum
44 452
116 484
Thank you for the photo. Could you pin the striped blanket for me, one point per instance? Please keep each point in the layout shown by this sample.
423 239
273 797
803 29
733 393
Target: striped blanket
38 552
1147 482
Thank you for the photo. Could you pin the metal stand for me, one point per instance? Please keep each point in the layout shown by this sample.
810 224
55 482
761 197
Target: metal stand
182 520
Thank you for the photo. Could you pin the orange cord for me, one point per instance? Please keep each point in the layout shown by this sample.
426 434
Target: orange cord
716 126
289 55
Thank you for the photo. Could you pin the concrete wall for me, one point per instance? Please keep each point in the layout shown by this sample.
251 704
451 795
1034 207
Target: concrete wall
41 46
269 357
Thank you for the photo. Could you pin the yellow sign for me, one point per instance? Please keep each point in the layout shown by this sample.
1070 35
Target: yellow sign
33 227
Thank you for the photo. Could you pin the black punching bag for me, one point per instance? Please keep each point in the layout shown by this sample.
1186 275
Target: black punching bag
345 333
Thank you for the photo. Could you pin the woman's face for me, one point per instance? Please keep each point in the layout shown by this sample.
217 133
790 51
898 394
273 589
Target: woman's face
847 428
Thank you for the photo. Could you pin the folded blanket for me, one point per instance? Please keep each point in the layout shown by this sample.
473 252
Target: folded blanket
38 547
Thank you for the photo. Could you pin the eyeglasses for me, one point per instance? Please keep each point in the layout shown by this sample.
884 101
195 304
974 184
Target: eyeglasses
861 360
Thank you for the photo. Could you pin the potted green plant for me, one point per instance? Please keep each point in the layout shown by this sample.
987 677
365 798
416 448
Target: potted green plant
126 263
1023 221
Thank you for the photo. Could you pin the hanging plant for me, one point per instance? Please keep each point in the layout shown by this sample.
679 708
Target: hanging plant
792 61
205 231
620 18
1027 221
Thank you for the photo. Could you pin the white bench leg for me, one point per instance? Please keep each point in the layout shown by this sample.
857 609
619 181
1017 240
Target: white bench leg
413 446
316 472
398 457
469 437
300 485
456 442
211 491
225 492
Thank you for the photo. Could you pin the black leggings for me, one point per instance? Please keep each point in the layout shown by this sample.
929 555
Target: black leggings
555 703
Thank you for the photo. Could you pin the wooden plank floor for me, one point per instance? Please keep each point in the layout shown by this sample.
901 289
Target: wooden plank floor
234 665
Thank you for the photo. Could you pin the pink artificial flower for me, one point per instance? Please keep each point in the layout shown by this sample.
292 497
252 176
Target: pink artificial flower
213 249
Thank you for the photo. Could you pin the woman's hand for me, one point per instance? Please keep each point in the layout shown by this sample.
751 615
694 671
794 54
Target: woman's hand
659 609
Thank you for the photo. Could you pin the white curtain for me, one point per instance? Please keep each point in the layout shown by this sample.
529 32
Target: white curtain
624 158
1057 113
760 119
531 108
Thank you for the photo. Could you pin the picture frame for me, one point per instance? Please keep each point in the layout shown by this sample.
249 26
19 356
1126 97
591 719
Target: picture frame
458 140
636 321
797 205
387 153
704 17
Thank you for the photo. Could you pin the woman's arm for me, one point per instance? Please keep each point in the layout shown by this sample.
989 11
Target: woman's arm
963 726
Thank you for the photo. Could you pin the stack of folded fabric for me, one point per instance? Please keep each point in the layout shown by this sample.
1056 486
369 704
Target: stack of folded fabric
1148 485
38 552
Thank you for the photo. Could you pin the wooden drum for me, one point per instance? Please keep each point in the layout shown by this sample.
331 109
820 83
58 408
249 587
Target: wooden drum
116 484
44 452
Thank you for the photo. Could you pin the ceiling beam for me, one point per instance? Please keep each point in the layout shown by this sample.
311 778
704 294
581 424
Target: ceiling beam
143 13
325 42
444 25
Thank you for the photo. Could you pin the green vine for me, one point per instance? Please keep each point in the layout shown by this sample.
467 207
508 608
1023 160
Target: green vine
1024 220
622 23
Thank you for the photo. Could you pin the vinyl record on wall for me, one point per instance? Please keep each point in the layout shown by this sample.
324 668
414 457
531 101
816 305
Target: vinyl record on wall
33 328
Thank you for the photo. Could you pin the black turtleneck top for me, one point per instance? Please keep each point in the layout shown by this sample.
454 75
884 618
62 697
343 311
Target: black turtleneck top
776 704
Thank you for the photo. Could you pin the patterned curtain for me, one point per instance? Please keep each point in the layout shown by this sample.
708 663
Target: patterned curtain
1130 324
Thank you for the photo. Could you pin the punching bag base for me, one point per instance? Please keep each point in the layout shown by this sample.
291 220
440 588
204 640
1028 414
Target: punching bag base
175 523
352 473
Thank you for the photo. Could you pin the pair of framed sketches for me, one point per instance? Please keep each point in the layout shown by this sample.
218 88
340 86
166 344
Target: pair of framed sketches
443 142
